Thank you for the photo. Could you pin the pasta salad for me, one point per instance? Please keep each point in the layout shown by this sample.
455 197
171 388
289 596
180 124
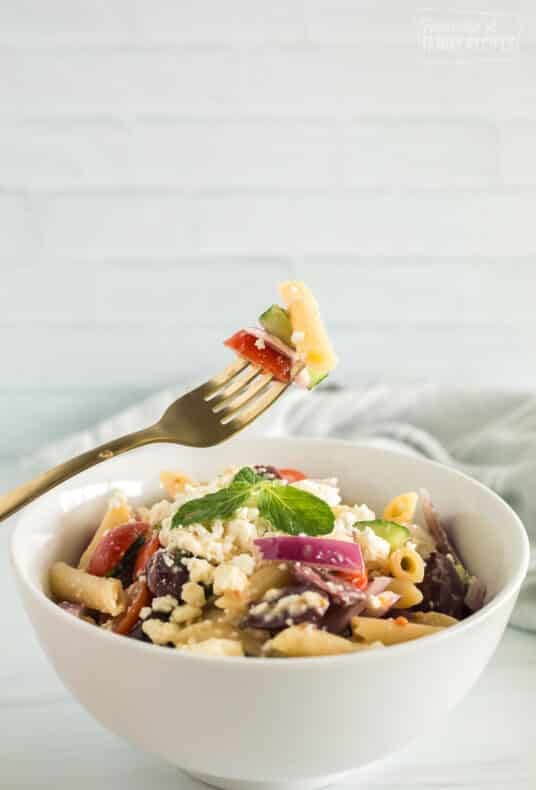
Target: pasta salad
263 561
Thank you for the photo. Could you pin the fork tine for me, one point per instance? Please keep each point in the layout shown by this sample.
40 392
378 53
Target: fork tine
227 375
230 406
256 406
235 386
219 408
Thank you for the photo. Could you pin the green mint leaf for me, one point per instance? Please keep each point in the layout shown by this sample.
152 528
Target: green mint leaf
288 509
247 475
221 504
294 511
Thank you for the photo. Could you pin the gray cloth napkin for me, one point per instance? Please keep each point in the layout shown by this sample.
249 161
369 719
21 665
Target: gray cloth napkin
490 435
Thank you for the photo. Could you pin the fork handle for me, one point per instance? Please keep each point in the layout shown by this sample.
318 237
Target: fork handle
27 492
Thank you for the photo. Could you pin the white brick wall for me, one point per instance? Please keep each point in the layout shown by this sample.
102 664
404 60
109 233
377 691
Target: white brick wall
163 164
277 154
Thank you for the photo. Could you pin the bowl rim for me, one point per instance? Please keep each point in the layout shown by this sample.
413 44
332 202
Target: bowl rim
510 589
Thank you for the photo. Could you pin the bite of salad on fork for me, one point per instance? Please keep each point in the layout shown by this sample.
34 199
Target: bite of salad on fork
291 342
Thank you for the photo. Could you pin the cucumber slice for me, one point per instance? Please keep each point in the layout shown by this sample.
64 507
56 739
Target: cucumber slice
315 378
395 534
276 321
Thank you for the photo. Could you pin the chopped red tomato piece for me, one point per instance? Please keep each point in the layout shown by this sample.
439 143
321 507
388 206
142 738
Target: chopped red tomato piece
138 596
359 580
292 475
145 554
268 358
111 549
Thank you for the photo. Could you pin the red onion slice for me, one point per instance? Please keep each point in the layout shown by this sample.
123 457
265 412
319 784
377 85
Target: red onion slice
433 523
322 552
379 605
303 379
378 585
274 342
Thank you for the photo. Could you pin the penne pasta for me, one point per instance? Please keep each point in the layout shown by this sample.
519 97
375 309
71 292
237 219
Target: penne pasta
402 508
162 633
432 618
306 640
406 563
118 513
265 578
96 592
234 604
410 595
215 647
206 629
389 632
174 482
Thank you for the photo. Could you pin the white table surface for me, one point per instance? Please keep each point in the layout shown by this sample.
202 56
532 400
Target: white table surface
48 740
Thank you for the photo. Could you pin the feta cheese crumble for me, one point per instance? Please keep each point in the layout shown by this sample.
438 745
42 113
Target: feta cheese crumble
229 578
293 605
245 562
201 571
326 490
194 594
185 614
164 604
375 550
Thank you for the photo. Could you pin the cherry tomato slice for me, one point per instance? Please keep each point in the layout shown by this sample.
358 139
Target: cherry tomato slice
112 547
145 554
292 475
138 596
359 580
268 358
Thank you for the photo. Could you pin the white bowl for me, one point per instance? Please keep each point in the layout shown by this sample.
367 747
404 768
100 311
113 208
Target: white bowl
239 722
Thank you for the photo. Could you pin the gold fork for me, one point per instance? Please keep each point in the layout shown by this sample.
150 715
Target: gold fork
206 416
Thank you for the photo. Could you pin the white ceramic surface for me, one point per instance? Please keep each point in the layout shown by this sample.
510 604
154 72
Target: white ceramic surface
299 723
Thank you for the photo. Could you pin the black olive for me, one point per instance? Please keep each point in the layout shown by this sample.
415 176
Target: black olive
267 471
166 574
442 588
262 613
